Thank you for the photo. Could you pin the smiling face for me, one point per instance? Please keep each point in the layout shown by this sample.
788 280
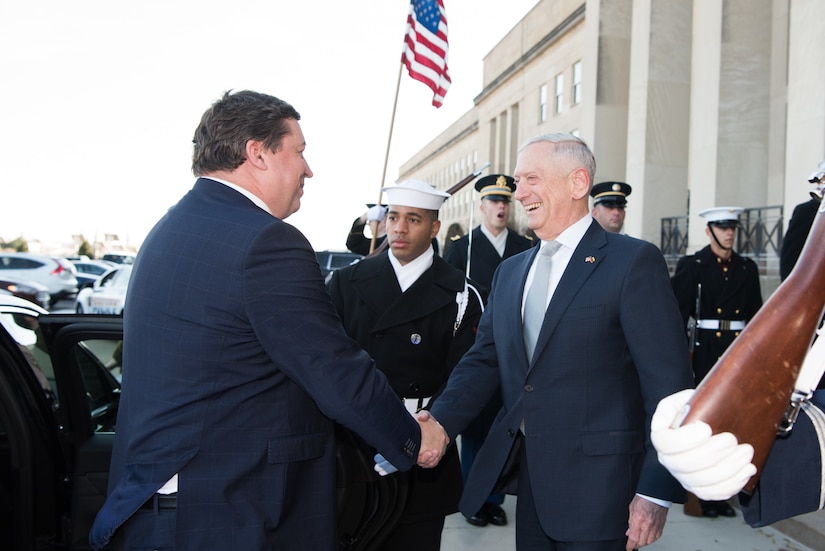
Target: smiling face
495 214
552 189
410 231
281 183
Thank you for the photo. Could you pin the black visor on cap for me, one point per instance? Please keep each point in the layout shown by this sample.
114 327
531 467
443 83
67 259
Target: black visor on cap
725 224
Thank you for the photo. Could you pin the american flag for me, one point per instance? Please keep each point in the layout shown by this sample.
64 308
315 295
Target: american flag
425 46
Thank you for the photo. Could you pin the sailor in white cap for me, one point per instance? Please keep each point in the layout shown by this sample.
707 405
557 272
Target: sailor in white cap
416 316
719 290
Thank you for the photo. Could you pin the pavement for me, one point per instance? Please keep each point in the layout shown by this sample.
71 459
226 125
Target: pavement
682 533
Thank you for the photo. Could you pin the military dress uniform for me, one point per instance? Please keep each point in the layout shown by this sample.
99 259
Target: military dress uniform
730 297
416 337
485 258
721 295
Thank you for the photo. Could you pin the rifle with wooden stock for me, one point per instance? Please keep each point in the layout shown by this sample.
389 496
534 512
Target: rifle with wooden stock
463 182
748 391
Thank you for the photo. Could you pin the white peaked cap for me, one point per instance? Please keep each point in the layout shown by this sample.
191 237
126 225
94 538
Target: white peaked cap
721 214
416 194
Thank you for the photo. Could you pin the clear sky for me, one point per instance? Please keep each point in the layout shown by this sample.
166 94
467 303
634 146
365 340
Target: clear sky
100 98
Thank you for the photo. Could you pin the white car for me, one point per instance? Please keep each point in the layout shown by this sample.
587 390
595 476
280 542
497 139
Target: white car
107 295
58 274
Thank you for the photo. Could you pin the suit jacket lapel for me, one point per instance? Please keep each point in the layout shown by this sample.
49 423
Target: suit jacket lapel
583 263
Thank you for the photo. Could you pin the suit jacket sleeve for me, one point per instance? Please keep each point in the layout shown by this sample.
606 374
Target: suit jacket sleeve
291 314
650 321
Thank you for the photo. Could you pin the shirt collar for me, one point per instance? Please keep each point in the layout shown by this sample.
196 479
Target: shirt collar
572 236
409 273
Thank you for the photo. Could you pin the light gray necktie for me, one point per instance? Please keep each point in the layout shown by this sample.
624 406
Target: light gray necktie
536 302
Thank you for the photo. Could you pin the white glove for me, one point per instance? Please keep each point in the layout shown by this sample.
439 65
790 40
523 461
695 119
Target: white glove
382 466
376 213
712 466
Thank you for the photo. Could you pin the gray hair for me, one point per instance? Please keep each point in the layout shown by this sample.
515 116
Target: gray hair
568 147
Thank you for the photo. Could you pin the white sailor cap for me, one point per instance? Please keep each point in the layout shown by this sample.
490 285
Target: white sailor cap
416 194
721 215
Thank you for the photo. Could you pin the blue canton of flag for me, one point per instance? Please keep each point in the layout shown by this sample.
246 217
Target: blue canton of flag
425 46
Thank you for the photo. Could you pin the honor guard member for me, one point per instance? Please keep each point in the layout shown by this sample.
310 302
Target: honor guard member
720 291
376 217
490 242
609 203
416 316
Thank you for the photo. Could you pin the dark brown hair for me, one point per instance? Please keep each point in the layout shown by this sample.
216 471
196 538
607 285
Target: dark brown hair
220 139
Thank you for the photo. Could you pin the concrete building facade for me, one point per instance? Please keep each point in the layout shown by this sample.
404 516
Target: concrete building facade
695 103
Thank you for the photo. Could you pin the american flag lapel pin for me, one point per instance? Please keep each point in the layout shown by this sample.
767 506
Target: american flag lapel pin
590 259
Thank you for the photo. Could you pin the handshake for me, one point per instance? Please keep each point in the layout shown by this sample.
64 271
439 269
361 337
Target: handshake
714 467
434 441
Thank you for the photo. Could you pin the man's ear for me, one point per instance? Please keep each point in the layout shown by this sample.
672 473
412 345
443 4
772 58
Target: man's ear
255 154
436 227
581 183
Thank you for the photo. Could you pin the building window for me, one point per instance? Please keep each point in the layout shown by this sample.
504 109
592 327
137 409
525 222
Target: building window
559 92
543 103
577 82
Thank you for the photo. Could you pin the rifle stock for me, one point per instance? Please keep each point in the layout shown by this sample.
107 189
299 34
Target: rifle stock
748 390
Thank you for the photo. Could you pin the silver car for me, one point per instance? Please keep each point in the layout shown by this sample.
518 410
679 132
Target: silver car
58 274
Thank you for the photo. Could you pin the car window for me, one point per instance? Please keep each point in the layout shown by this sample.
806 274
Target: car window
121 278
18 263
97 358
106 279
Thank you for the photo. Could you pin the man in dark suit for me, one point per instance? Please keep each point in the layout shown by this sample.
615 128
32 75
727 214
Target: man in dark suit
416 316
235 363
491 242
609 346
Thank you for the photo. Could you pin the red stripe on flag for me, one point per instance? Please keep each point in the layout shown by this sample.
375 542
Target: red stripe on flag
425 53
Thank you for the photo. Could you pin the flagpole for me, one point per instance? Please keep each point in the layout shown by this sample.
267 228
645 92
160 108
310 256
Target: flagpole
387 154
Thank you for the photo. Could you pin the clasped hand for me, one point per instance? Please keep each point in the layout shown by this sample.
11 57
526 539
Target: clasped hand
434 441
712 466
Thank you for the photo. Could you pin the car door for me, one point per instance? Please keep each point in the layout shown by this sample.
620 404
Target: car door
56 436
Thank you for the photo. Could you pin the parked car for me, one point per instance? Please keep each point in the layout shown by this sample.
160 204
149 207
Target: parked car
58 406
57 274
329 261
119 258
88 271
107 295
29 290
